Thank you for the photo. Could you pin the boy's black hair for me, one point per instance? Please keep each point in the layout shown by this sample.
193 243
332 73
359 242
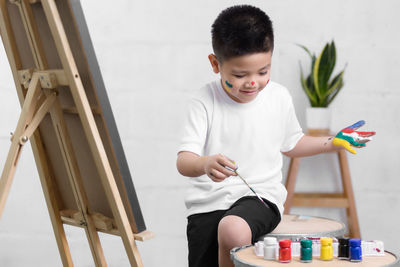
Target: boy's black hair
241 30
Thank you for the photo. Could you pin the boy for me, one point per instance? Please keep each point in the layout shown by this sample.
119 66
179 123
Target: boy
242 118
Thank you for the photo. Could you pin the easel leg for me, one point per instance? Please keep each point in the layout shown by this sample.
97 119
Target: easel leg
16 147
129 241
354 228
291 183
51 201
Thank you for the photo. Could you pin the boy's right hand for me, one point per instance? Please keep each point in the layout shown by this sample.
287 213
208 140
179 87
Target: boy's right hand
214 167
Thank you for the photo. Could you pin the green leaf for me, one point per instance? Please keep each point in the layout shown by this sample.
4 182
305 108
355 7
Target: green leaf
326 66
330 98
315 72
306 49
312 56
335 83
306 88
332 57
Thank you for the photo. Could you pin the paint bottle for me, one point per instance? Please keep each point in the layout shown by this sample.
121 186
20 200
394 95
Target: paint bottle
326 248
306 250
259 249
270 247
355 250
285 253
343 249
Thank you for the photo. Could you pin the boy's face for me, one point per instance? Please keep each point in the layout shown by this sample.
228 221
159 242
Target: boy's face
243 77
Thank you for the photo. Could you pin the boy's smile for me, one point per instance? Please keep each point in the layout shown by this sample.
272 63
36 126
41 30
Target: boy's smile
243 77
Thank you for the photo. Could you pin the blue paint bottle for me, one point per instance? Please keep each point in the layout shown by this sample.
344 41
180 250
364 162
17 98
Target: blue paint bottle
355 250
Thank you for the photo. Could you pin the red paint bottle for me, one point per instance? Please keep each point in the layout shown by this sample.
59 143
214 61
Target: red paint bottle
285 253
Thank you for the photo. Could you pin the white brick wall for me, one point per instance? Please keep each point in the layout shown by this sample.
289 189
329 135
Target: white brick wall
153 53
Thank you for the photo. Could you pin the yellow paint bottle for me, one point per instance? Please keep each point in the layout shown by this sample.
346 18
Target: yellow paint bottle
326 248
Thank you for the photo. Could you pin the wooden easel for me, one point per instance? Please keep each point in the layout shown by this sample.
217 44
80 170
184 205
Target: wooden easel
38 89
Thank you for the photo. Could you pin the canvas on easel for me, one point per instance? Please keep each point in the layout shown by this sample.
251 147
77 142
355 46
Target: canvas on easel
67 117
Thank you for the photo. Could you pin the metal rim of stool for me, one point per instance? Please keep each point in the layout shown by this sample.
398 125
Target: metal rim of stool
235 260
396 263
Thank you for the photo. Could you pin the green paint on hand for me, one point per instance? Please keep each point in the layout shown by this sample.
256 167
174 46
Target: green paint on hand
349 139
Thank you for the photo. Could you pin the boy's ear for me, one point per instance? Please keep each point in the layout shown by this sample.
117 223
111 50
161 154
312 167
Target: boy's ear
214 62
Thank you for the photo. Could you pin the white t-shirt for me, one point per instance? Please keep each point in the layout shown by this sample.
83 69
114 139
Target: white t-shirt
252 134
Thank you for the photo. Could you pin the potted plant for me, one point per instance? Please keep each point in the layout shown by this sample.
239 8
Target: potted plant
320 89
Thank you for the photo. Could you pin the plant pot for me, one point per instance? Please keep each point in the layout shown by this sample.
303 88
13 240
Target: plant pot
318 121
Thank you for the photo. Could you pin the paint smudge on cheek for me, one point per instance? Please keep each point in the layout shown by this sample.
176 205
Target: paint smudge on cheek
228 86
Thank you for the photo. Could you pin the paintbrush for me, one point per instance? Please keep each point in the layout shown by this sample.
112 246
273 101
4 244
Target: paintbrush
255 193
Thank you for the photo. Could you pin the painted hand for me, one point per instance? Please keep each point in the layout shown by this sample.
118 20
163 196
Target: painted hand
349 137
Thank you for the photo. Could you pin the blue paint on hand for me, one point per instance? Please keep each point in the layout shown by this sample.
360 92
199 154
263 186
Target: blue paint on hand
357 125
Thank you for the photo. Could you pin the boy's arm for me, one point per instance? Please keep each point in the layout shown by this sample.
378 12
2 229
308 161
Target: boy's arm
192 165
310 145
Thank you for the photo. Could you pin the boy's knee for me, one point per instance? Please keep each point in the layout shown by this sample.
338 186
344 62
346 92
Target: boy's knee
233 231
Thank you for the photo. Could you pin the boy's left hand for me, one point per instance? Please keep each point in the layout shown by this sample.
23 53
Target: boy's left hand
350 137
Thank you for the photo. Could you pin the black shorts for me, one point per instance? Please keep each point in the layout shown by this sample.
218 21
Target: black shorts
202 228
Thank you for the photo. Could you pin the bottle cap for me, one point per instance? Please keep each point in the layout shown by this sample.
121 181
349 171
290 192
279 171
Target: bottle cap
326 241
284 243
343 241
306 243
355 242
270 240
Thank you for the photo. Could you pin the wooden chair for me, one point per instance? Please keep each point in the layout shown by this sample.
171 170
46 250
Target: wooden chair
344 199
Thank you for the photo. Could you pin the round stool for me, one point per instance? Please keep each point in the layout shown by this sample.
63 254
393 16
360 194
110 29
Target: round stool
296 226
245 257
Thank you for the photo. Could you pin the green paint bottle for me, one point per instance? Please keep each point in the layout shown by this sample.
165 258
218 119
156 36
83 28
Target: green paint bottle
306 250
